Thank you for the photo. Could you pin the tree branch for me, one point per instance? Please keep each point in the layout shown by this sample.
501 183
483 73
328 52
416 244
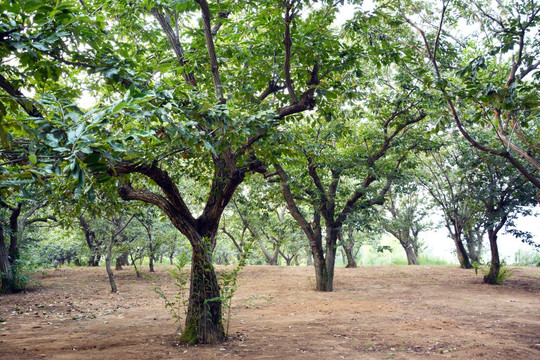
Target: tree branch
287 41
291 204
307 101
174 41
163 180
205 10
22 100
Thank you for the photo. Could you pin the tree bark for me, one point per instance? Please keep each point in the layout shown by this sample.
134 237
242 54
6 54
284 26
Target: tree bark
463 258
351 262
5 266
348 249
203 319
309 259
462 255
411 255
108 265
493 276
91 241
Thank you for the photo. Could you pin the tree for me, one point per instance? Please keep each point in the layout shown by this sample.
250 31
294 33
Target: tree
94 243
254 217
16 214
348 248
146 222
408 212
447 184
117 225
504 195
339 172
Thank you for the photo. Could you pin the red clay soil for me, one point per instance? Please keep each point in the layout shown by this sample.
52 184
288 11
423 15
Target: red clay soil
389 312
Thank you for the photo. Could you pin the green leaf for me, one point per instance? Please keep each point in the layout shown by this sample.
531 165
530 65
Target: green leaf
31 5
111 72
32 158
209 147
40 46
117 147
119 107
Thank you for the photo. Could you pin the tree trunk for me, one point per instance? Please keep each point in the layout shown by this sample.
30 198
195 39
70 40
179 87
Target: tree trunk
348 249
123 259
108 266
463 258
5 266
135 266
288 260
274 260
91 241
493 276
172 252
324 266
411 256
309 260
331 250
94 260
351 262
270 259
119 263
473 238
203 319
151 264
462 255
321 272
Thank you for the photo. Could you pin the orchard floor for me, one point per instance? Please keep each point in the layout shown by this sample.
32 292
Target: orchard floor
388 312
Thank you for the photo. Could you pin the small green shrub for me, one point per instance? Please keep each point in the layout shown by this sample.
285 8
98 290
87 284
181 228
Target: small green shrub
178 305
505 272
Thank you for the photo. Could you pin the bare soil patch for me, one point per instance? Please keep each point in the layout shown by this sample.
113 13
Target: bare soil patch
389 312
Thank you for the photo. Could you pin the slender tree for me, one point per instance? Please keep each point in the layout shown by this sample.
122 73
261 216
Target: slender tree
16 214
407 219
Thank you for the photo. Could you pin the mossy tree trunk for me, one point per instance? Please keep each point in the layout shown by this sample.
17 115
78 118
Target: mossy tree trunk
5 266
8 254
203 319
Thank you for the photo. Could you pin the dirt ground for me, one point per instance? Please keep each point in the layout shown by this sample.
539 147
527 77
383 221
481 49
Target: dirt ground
388 312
